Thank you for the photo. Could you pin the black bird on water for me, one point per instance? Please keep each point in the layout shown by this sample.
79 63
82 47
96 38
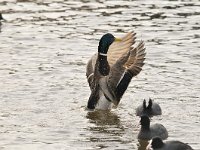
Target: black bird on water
158 144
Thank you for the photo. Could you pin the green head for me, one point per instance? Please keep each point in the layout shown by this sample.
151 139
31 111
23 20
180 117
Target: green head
105 42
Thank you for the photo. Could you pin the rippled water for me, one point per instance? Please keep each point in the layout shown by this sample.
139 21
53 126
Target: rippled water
44 48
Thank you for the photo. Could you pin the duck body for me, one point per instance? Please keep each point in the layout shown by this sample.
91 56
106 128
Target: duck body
147 131
110 71
158 144
104 101
153 109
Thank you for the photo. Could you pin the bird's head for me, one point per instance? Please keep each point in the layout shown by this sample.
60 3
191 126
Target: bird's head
147 110
105 42
157 142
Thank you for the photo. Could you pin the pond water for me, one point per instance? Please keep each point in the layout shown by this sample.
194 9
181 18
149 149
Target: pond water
44 48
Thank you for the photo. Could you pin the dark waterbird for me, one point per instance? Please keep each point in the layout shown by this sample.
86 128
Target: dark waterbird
152 109
147 131
158 144
110 71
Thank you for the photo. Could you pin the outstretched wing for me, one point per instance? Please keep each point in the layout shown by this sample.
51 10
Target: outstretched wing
136 58
137 55
118 48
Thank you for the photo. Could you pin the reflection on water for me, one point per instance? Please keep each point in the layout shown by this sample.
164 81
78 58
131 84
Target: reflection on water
142 144
44 48
107 127
104 118
108 124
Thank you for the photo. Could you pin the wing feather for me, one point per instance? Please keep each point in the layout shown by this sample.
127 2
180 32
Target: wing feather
117 49
136 58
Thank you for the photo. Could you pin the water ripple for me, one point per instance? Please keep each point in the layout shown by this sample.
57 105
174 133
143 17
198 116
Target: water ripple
45 45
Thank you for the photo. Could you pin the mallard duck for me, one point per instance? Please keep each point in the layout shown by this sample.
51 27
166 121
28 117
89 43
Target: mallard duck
152 109
110 71
158 144
147 131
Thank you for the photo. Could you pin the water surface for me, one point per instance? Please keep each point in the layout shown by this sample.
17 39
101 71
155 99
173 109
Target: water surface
44 48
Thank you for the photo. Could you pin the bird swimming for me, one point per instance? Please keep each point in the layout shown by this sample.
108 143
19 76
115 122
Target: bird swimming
147 131
158 144
152 109
110 71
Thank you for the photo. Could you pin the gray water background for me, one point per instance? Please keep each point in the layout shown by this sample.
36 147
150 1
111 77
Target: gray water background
44 48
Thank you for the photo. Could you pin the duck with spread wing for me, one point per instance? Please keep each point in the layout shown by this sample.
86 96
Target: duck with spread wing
110 71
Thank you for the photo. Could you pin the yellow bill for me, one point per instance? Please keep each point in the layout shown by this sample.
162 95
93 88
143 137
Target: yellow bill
118 39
